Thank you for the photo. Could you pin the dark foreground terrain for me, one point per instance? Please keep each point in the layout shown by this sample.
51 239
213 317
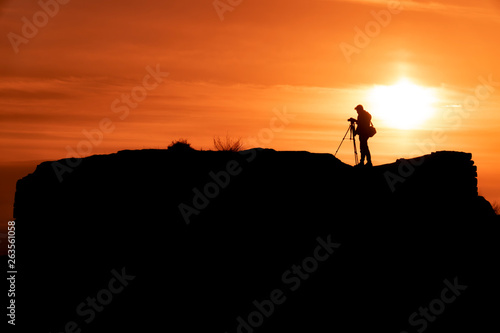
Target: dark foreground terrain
257 241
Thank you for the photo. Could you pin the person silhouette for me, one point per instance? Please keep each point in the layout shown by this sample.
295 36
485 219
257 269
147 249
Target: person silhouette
364 120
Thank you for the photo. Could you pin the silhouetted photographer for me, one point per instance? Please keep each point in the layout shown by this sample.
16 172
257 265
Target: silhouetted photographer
365 130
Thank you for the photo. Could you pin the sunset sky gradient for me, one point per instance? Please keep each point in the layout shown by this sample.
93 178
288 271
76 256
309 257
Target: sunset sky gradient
232 76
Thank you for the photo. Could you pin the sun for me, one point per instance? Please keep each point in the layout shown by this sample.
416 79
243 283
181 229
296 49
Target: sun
403 105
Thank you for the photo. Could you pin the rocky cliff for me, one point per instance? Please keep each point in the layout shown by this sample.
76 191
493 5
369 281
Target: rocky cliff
259 240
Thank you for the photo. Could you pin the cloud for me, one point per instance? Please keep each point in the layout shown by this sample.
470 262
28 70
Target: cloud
465 8
28 95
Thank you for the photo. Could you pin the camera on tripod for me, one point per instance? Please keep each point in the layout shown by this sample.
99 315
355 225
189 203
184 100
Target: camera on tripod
352 134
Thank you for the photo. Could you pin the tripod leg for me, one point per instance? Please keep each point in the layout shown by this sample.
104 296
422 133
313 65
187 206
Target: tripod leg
342 140
353 138
356 161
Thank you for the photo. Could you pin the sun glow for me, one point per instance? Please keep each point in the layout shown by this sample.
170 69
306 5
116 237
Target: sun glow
403 105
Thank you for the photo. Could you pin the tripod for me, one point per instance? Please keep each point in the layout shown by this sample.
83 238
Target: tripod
352 137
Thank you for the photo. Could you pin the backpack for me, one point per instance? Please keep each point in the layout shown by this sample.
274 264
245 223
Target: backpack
371 130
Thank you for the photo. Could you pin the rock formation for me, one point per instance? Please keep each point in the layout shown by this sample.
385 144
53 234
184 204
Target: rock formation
256 241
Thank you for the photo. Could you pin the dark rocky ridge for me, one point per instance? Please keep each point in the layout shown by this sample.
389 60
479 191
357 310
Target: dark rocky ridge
403 228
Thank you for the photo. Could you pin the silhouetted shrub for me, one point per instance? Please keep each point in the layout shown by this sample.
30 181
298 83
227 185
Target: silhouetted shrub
180 145
228 144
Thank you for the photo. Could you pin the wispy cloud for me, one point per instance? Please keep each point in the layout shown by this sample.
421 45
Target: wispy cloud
473 9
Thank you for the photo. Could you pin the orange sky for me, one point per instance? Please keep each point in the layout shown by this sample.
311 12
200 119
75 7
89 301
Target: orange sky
62 76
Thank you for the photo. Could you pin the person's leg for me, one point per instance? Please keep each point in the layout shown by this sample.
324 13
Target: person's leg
363 145
368 155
